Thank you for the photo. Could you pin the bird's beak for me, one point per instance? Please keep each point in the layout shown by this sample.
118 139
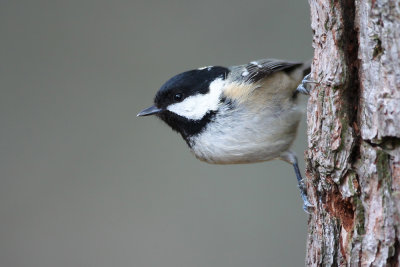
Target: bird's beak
149 111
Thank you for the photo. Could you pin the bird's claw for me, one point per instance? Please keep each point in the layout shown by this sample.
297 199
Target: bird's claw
303 86
307 206
300 182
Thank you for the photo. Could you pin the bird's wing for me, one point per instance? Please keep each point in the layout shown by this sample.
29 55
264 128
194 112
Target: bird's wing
259 69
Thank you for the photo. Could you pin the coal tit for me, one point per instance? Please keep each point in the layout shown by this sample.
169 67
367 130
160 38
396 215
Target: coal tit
239 114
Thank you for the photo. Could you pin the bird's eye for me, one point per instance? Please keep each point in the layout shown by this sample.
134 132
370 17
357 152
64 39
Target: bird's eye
178 97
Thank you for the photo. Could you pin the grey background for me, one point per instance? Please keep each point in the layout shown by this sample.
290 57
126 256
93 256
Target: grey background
83 182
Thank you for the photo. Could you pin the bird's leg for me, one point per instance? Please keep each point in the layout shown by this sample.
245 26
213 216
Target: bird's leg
302 187
290 157
303 86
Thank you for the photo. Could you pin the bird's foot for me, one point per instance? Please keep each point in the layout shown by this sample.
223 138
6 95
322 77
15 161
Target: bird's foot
304 86
307 206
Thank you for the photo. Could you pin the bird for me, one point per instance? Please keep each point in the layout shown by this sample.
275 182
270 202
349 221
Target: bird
239 114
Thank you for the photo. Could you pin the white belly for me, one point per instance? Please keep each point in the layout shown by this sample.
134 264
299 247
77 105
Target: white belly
237 137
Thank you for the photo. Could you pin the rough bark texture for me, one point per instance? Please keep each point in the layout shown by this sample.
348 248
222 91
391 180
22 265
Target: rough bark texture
353 155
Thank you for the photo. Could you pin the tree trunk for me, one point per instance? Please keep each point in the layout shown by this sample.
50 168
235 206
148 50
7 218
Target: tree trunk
353 155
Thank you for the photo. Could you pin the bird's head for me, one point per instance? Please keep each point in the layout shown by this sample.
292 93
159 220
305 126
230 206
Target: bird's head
189 100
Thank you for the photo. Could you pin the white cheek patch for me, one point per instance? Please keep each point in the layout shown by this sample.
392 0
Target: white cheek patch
195 107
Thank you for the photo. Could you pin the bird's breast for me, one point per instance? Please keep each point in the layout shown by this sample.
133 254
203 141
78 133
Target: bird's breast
240 136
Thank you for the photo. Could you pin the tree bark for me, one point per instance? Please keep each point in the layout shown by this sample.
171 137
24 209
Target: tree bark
353 116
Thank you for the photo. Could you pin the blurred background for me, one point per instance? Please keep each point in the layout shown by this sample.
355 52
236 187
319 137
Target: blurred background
83 182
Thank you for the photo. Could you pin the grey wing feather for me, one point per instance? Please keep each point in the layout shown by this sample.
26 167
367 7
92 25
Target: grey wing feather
257 70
